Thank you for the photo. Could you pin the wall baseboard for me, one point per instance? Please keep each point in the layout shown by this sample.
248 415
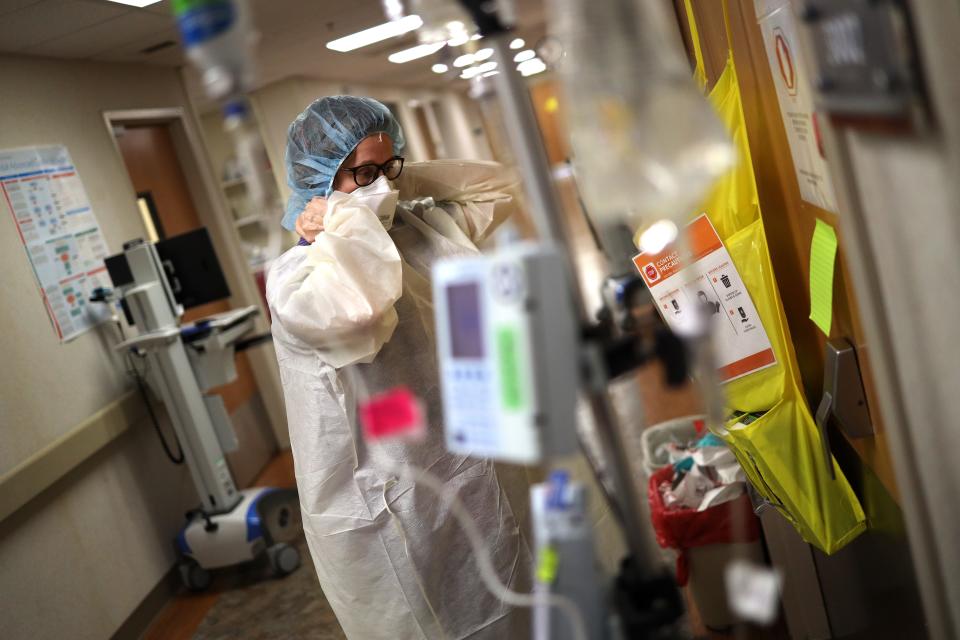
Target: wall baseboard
140 618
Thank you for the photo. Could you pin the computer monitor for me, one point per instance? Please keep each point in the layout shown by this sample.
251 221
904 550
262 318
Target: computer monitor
119 270
193 269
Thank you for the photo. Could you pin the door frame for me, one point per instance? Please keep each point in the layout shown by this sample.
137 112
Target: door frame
214 214
917 394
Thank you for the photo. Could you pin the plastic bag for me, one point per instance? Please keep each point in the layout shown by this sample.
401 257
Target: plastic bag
683 529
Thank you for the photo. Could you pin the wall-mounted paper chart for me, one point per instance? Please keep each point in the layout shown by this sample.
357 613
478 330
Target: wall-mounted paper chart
59 232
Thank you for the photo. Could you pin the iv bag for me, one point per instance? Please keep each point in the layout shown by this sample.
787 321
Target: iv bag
647 145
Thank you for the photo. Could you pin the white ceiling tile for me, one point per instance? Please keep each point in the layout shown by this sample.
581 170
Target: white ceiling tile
136 27
168 57
51 19
278 16
294 32
133 51
9 6
160 8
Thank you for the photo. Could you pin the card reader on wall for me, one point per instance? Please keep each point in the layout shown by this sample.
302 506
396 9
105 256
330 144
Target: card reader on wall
507 346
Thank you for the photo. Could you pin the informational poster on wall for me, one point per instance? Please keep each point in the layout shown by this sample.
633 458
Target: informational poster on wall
59 232
780 37
706 286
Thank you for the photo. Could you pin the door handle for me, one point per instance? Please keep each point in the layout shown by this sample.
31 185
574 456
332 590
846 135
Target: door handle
822 418
842 378
843 397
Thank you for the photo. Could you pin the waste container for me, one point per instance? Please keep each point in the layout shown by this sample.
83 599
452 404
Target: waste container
705 543
680 431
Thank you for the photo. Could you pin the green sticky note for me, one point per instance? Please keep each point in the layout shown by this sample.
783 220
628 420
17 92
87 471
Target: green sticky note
823 255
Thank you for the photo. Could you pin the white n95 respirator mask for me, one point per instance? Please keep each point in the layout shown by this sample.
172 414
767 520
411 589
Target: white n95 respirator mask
381 198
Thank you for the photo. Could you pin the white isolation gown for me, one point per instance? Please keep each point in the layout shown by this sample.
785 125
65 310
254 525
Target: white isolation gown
391 558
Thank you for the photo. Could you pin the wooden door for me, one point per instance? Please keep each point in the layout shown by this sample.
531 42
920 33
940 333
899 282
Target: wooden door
789 220
151 160
850 583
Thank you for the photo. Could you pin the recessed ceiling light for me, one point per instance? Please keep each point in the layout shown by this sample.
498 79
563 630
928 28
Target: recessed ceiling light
529 54
465 60
531 67
476 36
439 68
517 43
393 9
376 34
136 3
413 53
483 54
470 72
459 39
658 236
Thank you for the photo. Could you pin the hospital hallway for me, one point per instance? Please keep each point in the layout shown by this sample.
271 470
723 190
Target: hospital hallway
532 319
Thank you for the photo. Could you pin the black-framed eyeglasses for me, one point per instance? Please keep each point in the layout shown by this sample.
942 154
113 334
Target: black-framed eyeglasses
366 174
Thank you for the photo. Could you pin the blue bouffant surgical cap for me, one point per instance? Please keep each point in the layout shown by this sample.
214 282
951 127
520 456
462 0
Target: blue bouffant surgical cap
321 138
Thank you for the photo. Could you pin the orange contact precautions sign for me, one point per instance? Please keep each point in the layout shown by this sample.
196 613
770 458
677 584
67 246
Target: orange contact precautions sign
706 284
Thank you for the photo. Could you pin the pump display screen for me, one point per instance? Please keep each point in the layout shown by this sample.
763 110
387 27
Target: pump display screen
466 331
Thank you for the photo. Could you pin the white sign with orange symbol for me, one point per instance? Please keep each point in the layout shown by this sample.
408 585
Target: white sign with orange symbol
706 286
778 25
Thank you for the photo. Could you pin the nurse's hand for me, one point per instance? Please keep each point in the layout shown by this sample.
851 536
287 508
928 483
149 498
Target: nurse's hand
310 221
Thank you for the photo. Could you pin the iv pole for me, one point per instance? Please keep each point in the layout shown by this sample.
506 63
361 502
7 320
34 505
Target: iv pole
524 134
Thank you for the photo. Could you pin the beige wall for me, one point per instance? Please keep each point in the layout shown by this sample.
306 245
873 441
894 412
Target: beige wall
76 561
461 127
218 143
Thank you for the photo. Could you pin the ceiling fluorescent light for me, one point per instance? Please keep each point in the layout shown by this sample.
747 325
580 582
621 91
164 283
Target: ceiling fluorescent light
529 54
380 32
464 61
531 67
517 43
439 68
483 54
136 3
413 53
470 72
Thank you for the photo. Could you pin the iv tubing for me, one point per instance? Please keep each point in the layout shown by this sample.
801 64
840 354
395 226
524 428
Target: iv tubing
482 554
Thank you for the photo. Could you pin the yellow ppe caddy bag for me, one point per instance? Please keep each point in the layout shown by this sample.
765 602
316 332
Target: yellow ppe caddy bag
781 451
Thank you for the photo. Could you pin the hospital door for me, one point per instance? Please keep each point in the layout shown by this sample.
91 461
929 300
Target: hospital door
165 203
867 589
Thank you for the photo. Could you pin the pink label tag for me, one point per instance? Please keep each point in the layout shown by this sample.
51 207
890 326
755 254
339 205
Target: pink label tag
394 413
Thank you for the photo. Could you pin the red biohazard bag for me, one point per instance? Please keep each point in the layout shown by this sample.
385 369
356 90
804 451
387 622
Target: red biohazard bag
682 529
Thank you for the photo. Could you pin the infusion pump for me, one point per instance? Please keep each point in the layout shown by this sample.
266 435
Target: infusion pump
507 345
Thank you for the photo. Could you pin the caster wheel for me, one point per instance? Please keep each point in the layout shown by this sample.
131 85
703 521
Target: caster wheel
194 577
284 559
